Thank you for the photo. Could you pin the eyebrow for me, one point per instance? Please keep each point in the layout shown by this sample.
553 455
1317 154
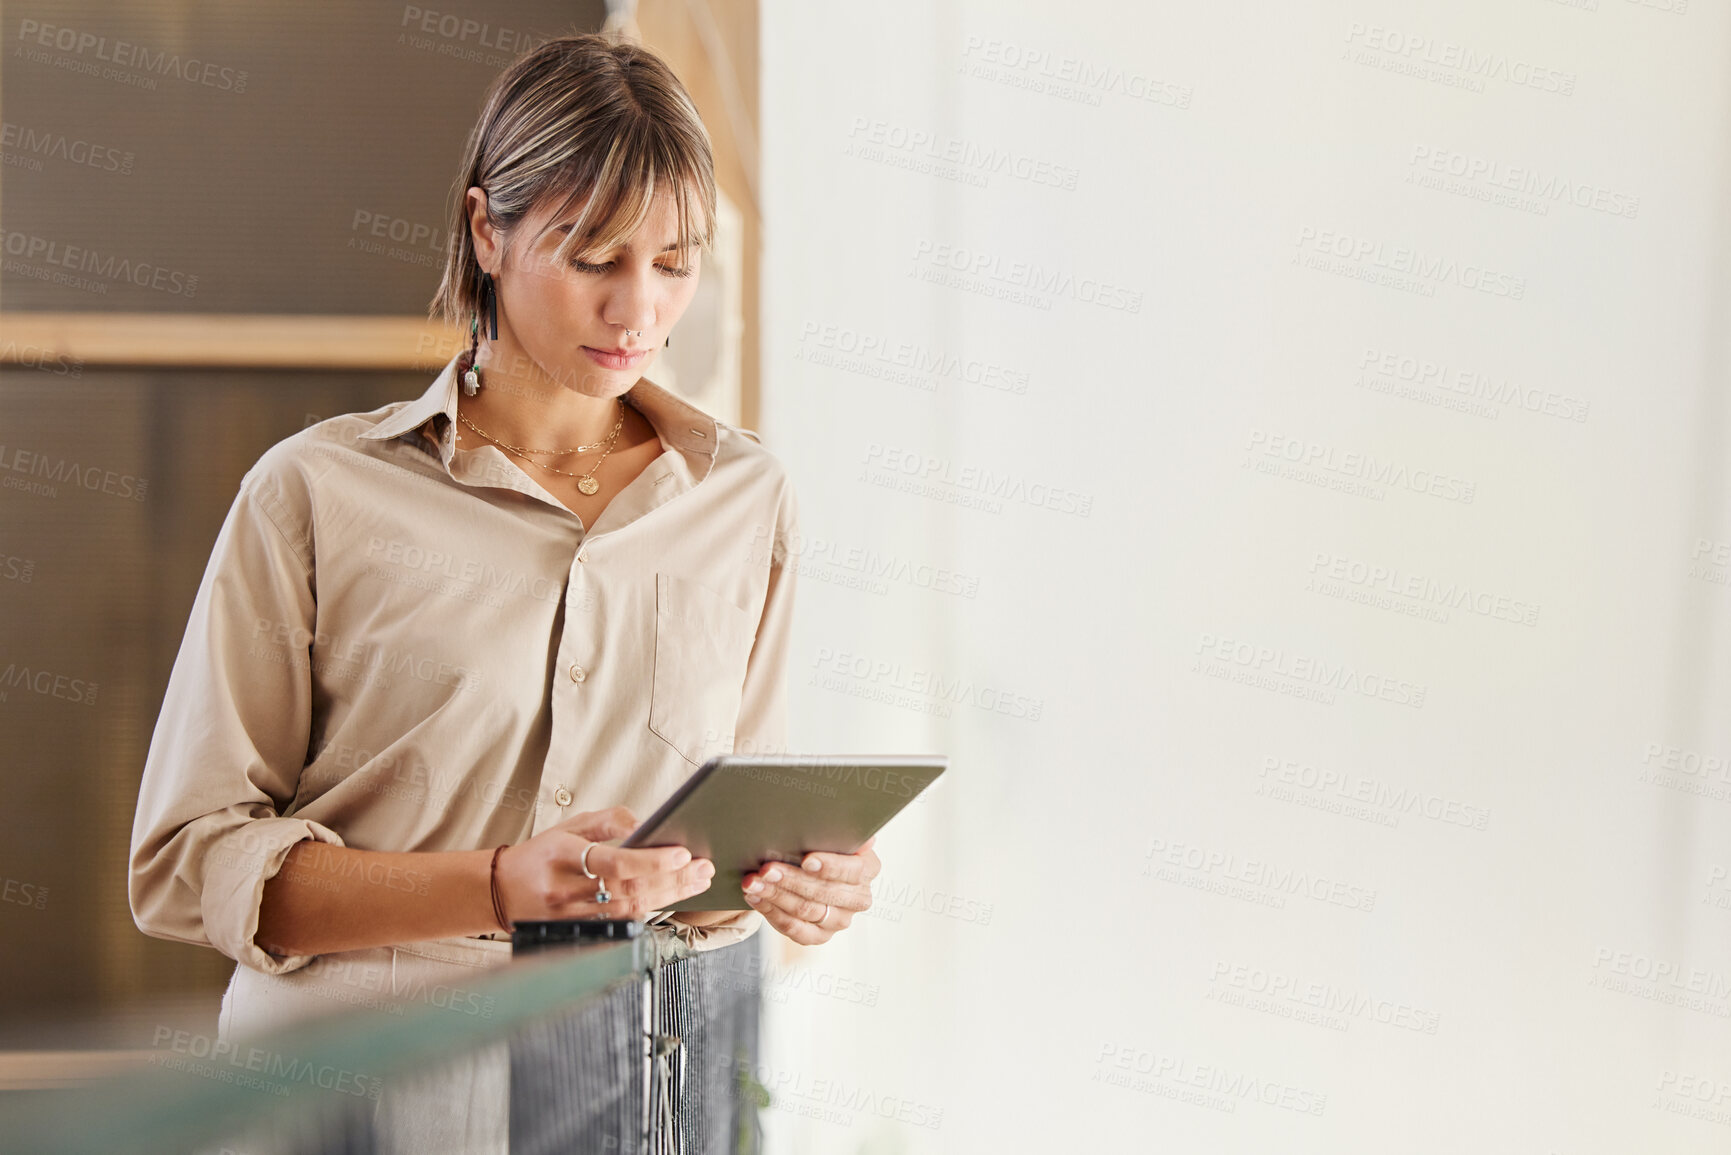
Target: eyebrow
672 246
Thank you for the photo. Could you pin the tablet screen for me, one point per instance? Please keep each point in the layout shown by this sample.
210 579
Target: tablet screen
740 811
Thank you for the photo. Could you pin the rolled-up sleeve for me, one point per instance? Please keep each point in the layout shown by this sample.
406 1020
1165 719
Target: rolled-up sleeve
762 724
226 756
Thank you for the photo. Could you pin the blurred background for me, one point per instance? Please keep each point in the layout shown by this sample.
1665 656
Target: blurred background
1277 450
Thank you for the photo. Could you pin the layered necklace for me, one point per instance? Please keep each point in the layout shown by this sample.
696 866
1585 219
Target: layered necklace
586 482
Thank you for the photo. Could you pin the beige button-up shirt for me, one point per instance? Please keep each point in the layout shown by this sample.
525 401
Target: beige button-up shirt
401 645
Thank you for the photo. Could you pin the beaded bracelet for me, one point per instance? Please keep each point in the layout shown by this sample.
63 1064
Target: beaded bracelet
493 885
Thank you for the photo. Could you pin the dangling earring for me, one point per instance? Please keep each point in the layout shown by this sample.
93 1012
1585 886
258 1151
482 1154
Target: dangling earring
471 375
490 302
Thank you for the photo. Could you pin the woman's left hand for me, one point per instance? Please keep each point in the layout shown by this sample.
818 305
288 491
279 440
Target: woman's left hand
811 901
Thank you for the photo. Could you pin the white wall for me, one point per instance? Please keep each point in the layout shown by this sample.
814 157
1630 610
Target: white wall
1498 848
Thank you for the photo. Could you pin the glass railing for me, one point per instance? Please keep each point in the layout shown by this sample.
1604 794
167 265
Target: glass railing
634 1046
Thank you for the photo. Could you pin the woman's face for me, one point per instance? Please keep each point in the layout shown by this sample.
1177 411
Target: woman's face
569 318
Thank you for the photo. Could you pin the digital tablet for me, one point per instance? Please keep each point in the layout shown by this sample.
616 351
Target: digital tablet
742 810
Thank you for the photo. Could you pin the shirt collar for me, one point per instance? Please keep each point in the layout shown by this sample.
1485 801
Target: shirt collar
681 425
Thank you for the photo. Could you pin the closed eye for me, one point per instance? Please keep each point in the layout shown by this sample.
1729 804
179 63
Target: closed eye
585 267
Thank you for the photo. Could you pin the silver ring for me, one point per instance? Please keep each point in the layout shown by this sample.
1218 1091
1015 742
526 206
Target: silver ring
822 916
601 894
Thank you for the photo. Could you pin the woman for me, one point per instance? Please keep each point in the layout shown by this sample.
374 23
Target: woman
444 650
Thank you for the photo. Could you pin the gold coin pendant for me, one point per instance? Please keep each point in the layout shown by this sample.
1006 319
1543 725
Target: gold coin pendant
588 485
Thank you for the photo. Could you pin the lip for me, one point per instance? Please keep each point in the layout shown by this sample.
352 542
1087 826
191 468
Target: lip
615 358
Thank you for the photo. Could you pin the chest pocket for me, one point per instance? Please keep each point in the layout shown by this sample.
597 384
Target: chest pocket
702 643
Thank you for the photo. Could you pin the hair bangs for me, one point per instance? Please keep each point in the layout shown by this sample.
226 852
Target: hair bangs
612 204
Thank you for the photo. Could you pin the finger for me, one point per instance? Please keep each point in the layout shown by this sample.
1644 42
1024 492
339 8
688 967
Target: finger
782 869
621 863
833 910
843 896
636 897
800 931
855 867
780 898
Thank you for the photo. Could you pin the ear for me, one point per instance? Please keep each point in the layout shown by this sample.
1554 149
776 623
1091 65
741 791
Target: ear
481 231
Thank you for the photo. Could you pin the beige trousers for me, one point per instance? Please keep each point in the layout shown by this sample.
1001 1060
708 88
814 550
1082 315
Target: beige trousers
460 1108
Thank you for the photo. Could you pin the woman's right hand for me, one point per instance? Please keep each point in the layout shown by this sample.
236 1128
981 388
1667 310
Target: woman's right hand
543 878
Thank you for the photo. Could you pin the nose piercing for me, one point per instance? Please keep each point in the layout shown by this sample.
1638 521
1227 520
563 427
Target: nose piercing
634 332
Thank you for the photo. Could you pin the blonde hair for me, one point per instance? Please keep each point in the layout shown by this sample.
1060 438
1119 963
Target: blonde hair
598 122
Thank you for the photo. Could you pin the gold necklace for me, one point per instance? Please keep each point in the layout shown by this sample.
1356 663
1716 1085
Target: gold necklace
558 452
586 483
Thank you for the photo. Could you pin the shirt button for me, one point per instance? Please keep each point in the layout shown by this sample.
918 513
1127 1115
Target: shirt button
562 796
578 673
